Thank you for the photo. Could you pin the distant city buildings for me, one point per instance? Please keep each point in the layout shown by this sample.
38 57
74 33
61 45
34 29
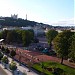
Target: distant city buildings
6 23
26 28
9 28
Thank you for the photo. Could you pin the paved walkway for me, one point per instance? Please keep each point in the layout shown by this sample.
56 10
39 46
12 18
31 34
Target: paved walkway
8 72
2 72
21 69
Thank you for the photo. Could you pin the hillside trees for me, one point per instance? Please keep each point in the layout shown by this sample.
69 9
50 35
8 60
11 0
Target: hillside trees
8 21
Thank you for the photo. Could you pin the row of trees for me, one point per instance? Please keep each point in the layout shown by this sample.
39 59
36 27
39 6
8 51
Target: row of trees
7 52
64 43
12 64
4 59
4 53
17 36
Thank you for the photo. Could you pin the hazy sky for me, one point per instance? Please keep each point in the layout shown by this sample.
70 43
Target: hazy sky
56 12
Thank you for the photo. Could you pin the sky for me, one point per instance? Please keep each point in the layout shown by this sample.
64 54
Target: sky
53 12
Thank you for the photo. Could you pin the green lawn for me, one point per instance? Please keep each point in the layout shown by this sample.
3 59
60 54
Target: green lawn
67 70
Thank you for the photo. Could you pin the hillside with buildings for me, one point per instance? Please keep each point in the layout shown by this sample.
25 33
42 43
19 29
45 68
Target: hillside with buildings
19 22
13 22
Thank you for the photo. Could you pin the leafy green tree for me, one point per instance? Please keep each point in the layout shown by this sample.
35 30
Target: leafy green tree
62 44
3 49
26 37
0 35
12 53
31 34
51 34
19 36
11 36
4 34
7 51
72 48
1 55
5 60
12 66
16 36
